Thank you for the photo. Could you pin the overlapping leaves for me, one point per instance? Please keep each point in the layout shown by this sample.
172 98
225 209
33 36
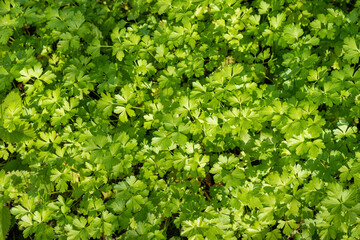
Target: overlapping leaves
159 119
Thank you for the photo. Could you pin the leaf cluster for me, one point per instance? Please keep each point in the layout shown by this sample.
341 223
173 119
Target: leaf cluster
169 119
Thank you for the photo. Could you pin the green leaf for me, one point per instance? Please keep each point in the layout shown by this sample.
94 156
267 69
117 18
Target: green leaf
352 52
264 7
274 235
4 221
94 48
276 22
344 130
80 223
161 140
44 232
5 34
179 138
18 135
28 73
162 6
75 20
292 33
12 104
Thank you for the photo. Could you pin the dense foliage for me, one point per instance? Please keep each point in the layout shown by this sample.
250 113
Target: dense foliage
180 119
